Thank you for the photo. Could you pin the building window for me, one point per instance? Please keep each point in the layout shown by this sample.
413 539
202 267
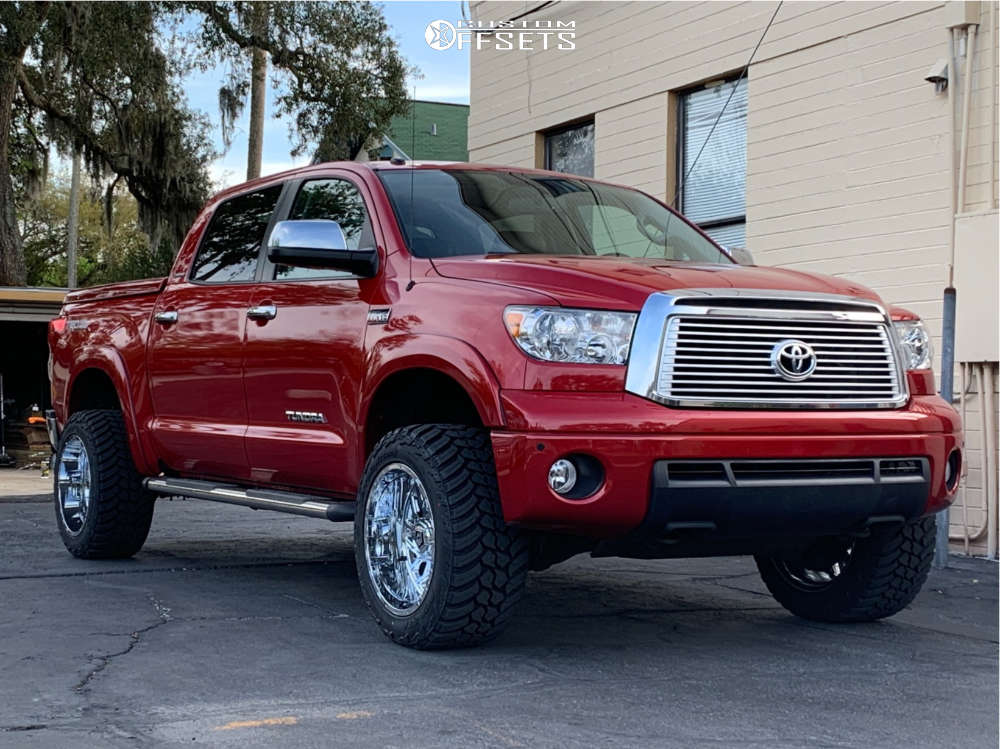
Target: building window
571 149
713 195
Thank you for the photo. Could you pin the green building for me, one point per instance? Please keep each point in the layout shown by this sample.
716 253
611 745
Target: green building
432 131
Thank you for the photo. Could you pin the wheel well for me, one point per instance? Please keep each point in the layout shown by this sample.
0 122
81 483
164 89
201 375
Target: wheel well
417 396
93 389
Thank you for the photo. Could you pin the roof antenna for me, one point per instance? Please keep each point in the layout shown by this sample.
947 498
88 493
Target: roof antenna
413 155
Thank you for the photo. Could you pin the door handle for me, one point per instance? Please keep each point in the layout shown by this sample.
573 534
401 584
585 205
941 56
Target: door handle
262 312
169 317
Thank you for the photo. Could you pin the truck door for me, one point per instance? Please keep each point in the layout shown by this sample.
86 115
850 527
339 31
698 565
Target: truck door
304 351
196 344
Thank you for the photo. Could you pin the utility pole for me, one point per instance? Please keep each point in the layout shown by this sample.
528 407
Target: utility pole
258 93
73 220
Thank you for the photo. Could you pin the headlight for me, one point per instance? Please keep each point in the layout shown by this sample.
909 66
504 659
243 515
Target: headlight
580 336
915 344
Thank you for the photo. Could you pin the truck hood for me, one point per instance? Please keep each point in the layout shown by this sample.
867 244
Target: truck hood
625 283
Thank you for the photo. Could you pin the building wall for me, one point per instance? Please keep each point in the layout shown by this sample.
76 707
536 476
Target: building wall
414 132
847 165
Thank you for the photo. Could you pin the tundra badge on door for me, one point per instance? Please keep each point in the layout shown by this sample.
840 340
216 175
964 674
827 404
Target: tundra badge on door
312 417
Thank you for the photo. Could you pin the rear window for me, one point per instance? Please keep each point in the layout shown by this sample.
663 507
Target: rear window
231 245
445 213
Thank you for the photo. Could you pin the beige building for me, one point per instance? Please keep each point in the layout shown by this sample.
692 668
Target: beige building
834 154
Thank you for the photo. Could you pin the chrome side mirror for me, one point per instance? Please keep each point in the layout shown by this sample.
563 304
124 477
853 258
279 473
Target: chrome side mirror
307 234
318 243
741 255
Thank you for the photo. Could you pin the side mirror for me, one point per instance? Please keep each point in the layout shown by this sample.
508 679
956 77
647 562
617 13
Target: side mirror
318 243
741 255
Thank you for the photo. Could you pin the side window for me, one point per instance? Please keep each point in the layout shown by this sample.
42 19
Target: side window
231 244
337 200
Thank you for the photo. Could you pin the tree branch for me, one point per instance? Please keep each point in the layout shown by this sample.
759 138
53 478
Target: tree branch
91 143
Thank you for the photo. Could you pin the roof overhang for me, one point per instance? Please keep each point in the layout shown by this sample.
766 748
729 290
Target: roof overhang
29 303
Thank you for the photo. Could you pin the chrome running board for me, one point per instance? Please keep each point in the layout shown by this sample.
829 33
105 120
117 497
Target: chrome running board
257 499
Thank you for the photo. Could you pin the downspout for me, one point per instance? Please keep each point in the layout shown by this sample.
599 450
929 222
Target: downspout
952 80
993 107
991 512
947 387
989 459
963 398
970 54
942 521
970 371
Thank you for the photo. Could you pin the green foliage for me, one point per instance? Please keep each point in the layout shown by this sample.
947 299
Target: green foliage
92 78
120 252
338 73
102 80
98 79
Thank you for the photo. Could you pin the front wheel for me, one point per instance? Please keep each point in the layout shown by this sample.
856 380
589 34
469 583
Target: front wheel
437 564
861 580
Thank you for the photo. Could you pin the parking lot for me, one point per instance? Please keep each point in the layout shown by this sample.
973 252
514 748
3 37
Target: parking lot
243 628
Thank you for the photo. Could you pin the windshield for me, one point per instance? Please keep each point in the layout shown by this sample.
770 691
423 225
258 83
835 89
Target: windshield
471 212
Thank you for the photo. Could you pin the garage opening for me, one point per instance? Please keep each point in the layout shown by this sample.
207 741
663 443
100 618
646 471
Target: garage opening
24 353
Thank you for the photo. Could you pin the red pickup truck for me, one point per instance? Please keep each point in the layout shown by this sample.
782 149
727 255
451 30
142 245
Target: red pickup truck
489 370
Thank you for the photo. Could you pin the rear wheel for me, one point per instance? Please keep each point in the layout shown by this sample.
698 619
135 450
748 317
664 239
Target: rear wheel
102 509
860 580
437 564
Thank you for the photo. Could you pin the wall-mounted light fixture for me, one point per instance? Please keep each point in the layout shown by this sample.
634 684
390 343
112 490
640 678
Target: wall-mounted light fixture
938 75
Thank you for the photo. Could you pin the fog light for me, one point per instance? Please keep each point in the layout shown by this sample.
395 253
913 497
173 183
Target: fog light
952 469
562 476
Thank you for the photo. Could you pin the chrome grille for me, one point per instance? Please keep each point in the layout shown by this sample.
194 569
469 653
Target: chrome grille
725 358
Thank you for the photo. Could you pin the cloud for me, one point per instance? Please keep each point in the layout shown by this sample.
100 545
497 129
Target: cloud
232 171
454 93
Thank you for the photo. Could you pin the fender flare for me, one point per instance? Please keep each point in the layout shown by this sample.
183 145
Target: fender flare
110 362
450 356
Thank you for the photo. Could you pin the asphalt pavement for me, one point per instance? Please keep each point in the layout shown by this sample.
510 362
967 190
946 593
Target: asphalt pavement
242 628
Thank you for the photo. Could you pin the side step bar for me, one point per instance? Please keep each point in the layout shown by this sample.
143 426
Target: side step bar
258 499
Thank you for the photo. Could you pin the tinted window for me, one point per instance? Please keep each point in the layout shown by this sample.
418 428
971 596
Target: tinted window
231 244
336 200
472 212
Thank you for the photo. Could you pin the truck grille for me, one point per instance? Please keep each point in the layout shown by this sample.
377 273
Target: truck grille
735 357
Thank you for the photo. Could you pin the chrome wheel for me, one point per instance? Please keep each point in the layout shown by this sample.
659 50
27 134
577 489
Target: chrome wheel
73 485
817 570
399 538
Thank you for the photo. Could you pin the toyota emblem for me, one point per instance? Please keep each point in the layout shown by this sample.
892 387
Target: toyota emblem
793 360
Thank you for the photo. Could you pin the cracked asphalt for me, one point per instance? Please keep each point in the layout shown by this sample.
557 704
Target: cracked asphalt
242 628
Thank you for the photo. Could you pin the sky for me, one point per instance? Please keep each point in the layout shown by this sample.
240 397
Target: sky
444 76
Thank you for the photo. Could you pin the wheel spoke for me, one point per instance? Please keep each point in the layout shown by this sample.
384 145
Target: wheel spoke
73 485
399 538
819 568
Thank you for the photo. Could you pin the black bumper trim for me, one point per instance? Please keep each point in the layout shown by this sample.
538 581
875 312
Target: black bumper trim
759 498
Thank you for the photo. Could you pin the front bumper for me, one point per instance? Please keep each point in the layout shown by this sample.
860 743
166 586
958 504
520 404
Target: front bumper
632 438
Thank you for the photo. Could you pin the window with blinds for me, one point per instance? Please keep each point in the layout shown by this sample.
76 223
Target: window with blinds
714 193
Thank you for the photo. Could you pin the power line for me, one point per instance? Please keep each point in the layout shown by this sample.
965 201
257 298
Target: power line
722 111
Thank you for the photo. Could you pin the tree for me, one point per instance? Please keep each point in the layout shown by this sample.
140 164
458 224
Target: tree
19 23
91 76
338 72
114 251
258 92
